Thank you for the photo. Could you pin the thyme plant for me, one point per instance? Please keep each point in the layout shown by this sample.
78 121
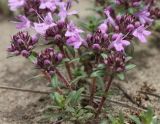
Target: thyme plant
80 65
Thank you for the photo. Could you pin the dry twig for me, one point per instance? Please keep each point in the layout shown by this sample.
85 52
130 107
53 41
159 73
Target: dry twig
151 94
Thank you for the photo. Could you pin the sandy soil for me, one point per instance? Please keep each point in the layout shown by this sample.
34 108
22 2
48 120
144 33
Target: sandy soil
26 108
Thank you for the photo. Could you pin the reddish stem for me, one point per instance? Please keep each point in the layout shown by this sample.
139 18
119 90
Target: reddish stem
103 99
63 79
67 64
68 70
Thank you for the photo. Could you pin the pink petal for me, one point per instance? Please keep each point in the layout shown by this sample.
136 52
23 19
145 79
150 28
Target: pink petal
103 27
125 42
73 12
147 33
142 38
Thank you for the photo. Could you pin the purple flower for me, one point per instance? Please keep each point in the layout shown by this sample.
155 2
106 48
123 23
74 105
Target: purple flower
75 41
110 20
118 1
144 16
15 4
73 35
64 12
72 30
119 43
49 4
141 33
23 23
103 27
42 27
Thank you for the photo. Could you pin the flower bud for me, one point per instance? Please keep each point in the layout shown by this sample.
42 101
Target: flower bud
59 57
47 62
118 18
137 24
115 62
35 38
58 38
25 53
48 59
130 28
96 47
105 37
114 37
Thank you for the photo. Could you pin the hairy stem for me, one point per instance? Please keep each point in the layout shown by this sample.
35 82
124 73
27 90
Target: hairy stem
103 99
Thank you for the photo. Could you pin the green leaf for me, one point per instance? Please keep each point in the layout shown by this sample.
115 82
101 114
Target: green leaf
76 96
80 113
155 120
88 107
88 116
100 83
104 56
129 58
75 60
70 109
79 72
130 66
70 97
135 119
98 73
91 23
101 66
32 57
71 50
54 82
87 56
121 118
65 60
77 79
147 116
58 99
112 120
104 122
130 49
121 76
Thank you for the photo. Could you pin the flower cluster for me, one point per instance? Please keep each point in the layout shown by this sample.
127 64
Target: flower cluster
48 59
56 33
117 31
49 18
115 62
22 43
99 41
38 14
